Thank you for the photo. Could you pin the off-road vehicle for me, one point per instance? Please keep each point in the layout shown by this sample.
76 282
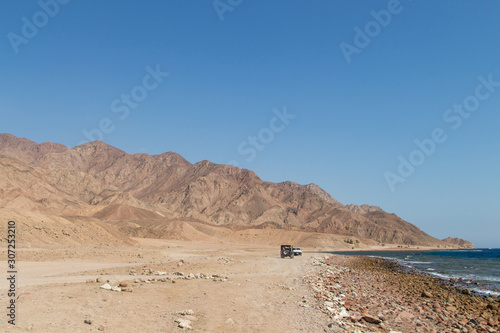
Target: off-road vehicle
287 251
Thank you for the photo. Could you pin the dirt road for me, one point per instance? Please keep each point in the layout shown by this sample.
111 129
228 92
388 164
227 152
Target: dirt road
231 289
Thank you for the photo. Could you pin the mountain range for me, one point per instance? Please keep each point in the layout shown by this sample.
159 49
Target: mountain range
98 193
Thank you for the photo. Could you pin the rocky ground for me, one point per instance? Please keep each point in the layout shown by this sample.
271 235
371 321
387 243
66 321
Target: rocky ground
374 295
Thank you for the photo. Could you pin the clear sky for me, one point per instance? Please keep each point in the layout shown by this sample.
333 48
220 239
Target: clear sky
334 93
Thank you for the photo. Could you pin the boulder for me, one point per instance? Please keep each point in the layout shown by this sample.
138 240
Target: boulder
372 319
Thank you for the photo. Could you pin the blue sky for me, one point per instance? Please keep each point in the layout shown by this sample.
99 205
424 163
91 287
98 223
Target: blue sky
269 86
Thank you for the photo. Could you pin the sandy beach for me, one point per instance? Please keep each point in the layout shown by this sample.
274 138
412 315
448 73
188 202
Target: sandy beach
172 286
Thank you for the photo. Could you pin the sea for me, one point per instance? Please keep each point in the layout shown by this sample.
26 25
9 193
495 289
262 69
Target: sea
476 269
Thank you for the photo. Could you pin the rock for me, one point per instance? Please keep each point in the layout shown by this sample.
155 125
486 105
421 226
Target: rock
189 312
229 321
128 289
114 282
492 321
355 318
184 323
123 284
466 292
372 319
426 294
406 315
105 286
99 280
451 308
116 288
101 328
88 321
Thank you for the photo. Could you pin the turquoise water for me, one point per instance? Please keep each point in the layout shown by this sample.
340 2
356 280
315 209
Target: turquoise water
479 269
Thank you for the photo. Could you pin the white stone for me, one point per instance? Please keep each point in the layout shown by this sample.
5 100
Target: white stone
184 323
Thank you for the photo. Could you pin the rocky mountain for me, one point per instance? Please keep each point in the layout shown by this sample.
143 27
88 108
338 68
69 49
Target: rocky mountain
458 242
140 194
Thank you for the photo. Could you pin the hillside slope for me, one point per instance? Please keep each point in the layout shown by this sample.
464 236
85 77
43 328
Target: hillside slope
100 182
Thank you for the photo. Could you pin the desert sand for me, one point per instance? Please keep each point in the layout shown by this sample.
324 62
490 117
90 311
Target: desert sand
242 289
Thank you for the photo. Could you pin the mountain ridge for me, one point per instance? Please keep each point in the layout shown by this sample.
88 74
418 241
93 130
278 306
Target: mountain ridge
102 182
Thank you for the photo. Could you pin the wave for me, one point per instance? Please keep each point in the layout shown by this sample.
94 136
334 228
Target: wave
441 276
489 278
386 258
486 291
419 262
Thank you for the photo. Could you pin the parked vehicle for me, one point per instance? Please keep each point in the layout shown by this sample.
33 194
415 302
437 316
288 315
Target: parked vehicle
297 251
287 251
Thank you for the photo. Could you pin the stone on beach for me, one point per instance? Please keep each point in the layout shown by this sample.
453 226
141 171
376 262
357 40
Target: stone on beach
372 319
359 292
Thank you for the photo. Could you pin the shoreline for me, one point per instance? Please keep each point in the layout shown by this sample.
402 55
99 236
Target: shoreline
396 249
374 294
460 281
